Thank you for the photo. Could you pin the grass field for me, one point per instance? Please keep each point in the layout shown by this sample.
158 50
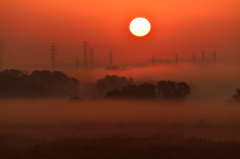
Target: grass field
56 129
121 146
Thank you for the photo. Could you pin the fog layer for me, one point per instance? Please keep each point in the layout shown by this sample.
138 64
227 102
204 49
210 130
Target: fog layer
97 118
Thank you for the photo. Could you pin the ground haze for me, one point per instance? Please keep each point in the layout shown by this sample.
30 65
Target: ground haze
135 117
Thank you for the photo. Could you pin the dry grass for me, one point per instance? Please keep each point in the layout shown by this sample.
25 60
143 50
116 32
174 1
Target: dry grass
57 129
124 146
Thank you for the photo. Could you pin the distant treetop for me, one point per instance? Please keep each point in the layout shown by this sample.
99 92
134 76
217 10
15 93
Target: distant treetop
15 83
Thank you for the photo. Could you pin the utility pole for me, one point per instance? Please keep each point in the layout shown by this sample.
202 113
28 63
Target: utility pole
91 58
176 58
214 56
111 57
153 60
85 64
1 51
194 58
203 55
77 63
53 48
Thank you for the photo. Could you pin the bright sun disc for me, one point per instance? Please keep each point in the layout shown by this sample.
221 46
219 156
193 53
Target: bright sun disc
139 26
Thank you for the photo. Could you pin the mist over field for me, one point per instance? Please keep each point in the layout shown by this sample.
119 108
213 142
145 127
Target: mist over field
40 124
61 118
209 81
76 82
56 127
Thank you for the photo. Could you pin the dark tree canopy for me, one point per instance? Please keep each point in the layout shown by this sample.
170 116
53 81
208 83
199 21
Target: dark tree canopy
171 89
163 89
236 97
13 72
144 90
12 83
15 83
109 83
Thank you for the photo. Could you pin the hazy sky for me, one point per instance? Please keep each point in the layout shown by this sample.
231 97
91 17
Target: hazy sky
27 28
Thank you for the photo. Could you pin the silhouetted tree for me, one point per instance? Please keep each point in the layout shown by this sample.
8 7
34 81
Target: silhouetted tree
53 84
236 97
144 90
171 89
15 83
13 72
11 83
109 83
147 90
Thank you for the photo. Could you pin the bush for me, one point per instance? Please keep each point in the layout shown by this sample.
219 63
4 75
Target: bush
171 89
109 83
144 90
15 83
236 97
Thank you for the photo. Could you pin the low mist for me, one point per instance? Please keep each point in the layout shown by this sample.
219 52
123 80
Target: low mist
61 118
205 113
208 81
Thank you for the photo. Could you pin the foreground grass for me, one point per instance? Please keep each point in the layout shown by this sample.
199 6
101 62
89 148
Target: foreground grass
124 146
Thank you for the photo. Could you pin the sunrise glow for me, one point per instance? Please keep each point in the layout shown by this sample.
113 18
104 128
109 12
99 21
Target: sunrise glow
119 79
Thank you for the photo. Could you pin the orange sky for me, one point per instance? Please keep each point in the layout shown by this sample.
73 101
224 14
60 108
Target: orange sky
27 28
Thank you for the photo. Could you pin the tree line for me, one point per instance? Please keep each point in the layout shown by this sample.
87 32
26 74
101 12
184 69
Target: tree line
16 83
162 89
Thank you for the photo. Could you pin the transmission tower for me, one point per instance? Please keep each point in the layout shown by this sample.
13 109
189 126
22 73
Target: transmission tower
176 58
153 60
203 55
85 64
111 57
194 58
91 57
214 56
1 51
77 61
53 50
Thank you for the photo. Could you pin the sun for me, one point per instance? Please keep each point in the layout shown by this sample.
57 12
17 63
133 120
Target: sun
140 26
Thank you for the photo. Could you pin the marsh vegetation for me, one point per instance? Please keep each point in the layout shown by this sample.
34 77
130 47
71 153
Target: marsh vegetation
118 129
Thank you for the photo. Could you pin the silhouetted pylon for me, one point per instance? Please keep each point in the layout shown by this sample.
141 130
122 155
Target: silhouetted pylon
91 59
53 50
153 60
194 58
203 55
214 56
1 51
111 57
176 58
77 61
85 63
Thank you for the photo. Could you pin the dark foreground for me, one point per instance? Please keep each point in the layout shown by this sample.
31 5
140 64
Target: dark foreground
120 147
59 129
